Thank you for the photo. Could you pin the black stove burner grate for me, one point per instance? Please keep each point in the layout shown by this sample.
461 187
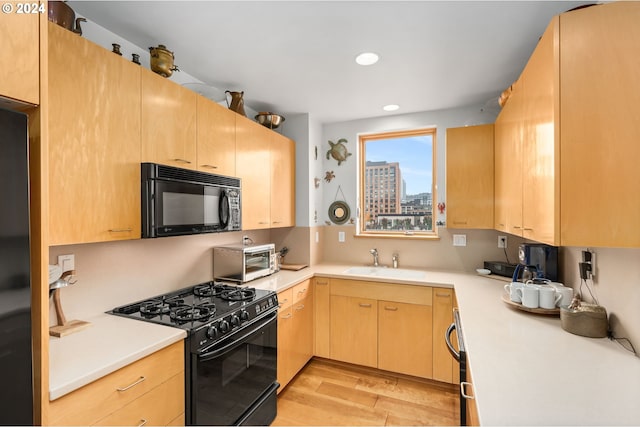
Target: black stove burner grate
238 294
192 313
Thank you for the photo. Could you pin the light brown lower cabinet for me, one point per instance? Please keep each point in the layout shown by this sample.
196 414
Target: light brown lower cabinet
151 390
472 410
295 331
405 342
354 330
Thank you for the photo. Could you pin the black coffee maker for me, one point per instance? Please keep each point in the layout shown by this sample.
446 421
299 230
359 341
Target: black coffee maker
537 261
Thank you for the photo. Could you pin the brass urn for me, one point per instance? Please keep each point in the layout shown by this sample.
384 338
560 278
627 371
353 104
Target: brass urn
162 61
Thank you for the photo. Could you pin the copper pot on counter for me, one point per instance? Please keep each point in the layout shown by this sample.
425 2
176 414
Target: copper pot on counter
61 13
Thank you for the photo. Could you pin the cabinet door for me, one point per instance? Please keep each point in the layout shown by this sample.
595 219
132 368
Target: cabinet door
168 122
216 138
322 321
405 338
540 200
285 344
443 362
282 181
302 325
94 149
508 160
253 159
600 132
470 173
354 330
20 73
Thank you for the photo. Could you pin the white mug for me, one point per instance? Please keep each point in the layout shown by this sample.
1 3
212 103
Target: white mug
530 296
514 290
548 297
566 296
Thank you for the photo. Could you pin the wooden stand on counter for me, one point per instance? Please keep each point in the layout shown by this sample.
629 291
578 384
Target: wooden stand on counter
294 267
64 327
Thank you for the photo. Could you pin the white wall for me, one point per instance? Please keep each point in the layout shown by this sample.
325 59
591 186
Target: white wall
347 172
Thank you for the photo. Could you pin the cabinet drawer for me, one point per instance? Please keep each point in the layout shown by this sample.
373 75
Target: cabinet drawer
94 401
285 299
382 291
158 407
301 290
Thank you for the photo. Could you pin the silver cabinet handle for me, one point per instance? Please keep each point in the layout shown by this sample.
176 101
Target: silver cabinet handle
443 295
182 161
300 307
460 222
120 230
144 422
464 384
517 227
132 385
210 166
391 308
282 302
363 305
322 283
287 316
528 229
263 222
302 291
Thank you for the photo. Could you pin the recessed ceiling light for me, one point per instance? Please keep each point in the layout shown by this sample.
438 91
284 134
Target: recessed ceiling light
391 107
367 58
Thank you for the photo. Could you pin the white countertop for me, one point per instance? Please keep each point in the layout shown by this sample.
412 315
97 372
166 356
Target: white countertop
526 369
110 343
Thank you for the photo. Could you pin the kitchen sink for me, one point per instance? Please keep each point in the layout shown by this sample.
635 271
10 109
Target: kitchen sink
394 273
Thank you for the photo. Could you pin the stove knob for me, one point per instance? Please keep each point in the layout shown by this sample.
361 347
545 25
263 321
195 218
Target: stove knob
235 320
244 315
212 332
224 326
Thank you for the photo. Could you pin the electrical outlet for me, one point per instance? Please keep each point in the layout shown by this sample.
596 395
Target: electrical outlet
67 262
459 240
502 242
589 267
341 236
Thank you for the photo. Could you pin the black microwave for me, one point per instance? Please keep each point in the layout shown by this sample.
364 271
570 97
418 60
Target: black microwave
178 201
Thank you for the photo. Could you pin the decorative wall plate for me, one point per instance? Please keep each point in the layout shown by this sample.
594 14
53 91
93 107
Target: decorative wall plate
339 212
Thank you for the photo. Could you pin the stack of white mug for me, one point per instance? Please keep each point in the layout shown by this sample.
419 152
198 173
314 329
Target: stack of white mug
547 295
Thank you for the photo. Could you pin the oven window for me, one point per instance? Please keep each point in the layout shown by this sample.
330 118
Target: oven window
258 261
183 204
184 208
225 386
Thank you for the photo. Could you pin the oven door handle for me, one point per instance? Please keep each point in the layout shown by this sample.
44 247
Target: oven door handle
447 338
237 342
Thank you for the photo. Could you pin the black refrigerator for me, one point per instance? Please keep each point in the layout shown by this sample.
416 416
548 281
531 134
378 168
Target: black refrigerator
16 374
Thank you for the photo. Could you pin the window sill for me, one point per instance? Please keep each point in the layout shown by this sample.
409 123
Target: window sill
383 235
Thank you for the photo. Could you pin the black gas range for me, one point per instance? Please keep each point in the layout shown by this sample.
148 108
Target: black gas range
230 350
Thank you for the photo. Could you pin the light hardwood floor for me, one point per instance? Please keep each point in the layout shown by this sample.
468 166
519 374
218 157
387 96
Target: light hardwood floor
334 393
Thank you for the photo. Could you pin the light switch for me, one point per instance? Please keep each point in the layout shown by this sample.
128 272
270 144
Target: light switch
341 236
459 240
317 236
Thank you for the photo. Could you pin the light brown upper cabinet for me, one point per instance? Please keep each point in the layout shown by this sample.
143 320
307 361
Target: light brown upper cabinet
574 112
216 138
283 189
508 168
168 122
265 161
470 175
600 132
526 148
94 142
20 56
253 159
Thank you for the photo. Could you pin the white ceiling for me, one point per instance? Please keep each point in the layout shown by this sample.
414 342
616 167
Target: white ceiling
293 57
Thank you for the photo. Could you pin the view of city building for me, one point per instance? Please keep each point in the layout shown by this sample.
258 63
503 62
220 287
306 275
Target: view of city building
387 206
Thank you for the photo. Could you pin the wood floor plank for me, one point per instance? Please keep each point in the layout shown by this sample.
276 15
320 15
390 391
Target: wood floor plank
326 392
360 397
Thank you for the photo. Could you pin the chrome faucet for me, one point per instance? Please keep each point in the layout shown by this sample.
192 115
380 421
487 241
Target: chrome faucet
374 252
395 260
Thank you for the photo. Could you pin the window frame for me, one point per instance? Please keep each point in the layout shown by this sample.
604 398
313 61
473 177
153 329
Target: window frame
405 234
